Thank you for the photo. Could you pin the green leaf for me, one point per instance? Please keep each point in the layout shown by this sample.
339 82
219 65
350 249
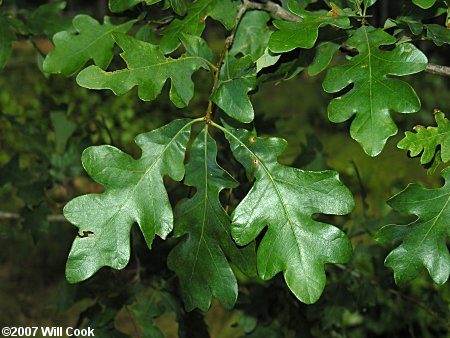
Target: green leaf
428 139
252 35
64 129
266 60
194 22
179 6
196 46
374 94
439 34
325 52
7 36
134 192
291 35
121 5
92 41
424 3
148 69
237 78
47 19
424 240
145 310
284 199
200 260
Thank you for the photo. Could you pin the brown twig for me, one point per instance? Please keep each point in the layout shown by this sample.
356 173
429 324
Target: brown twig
274 10
438 69
228 43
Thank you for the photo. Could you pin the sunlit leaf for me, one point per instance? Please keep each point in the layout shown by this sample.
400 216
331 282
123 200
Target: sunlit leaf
147 68
373 93
134 193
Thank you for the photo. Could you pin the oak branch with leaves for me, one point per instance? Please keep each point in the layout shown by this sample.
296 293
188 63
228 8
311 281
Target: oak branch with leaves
272 229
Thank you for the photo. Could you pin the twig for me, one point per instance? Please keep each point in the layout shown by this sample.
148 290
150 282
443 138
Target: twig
228 43
274 10
438 69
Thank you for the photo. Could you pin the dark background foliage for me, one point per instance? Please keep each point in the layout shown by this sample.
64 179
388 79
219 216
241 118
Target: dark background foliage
46 122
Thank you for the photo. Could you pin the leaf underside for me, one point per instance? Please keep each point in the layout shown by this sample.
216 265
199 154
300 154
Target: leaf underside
284 199
374 93
423 242
134 193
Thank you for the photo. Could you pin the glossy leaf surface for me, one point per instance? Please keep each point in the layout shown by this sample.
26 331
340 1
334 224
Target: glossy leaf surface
92 40
291 35
147 68
200 259
134 193
194 22
284 199
424 3
423 242
237 78
428 139
374 94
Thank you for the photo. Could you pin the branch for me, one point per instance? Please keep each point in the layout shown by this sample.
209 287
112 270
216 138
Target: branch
438 69
274 10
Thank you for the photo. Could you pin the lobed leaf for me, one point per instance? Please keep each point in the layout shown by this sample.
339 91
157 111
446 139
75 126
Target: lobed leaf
147 68
426 140
291 35
92 40
423 242
200 259
134 192
374 93
284 199
194 22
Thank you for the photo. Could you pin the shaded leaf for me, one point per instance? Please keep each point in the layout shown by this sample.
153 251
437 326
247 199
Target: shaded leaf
64 129
148 69
284 199
200 259
92 41
424 3
428 139
121 5
423 242
237 78
196 46
7 36
325 52
266 60
374 94
194 22
291 35
179 6
134 192
145 310
439 34
252 35
47 19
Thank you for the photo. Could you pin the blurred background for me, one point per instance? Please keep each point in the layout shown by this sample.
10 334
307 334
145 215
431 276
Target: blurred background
47 121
